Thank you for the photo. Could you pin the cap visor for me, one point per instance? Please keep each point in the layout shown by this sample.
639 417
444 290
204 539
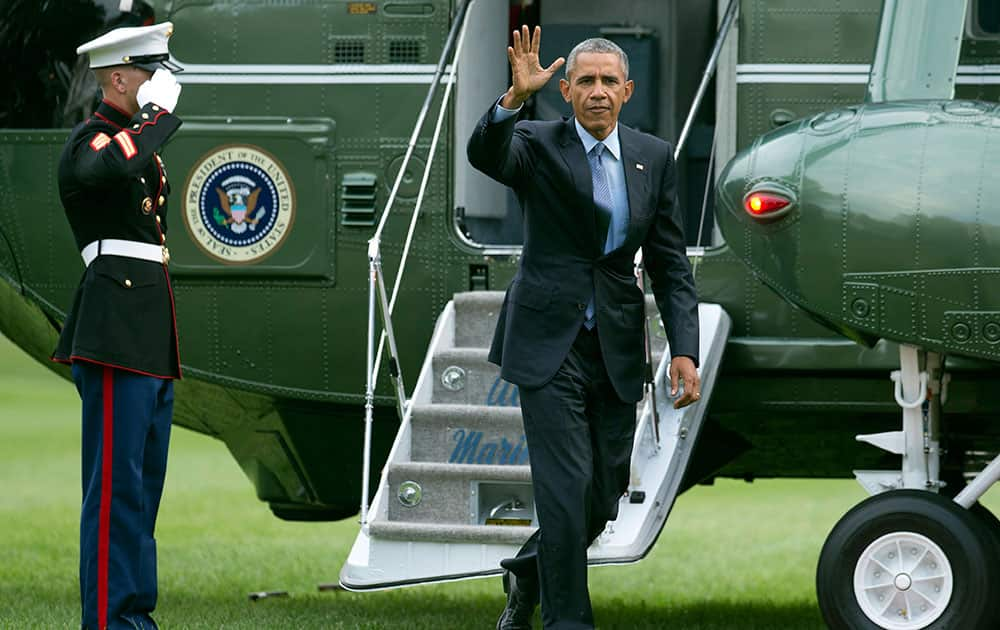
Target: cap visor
153 66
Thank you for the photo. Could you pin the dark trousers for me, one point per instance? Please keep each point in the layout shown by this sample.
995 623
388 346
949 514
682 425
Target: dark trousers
579 437
126 430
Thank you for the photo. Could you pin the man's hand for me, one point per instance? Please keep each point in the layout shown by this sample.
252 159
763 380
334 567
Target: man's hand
683 369
162 89
528 74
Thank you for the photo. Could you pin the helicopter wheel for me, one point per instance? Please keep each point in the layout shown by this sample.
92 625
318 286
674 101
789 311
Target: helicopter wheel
909 560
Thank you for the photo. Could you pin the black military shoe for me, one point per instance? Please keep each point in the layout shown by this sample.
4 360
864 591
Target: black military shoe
522 597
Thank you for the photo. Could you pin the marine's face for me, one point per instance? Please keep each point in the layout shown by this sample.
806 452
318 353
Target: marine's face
597 88
135 78
121 85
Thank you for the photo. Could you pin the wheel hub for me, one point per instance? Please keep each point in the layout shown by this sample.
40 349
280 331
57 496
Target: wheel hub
903 581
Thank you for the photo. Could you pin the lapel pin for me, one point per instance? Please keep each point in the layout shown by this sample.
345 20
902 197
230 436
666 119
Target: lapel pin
639 166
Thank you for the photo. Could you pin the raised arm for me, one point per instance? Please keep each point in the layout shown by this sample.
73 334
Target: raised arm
99 157
496 148
527 74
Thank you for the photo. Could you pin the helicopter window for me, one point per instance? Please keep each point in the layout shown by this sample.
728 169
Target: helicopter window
46 85
984 19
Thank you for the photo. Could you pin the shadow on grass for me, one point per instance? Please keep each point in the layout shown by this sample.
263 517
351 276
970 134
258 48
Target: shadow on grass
54 605
419 609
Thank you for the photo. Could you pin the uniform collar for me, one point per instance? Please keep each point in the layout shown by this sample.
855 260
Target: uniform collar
110 113
611 143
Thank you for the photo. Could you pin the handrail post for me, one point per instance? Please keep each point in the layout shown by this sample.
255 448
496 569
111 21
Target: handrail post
394 368
374 263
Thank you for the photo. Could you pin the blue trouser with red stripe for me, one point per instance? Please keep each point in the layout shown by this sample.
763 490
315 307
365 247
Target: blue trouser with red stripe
126 430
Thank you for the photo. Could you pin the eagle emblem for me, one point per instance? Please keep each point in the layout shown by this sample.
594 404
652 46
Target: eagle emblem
239 203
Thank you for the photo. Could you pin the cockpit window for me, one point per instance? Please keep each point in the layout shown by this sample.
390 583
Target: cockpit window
45 84
983 21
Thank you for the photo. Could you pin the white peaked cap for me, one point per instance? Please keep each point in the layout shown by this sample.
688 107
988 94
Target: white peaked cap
137 44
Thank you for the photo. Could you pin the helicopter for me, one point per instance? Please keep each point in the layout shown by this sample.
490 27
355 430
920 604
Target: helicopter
314 104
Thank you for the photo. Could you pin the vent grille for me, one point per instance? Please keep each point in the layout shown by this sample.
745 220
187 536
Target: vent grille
348 51
357 199
405 50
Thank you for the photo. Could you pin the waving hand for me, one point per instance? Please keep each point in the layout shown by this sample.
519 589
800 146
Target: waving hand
528 74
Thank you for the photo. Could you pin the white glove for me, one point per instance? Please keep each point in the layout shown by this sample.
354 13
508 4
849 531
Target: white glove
161 89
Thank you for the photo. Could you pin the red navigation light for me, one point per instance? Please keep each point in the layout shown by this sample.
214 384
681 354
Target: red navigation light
764 204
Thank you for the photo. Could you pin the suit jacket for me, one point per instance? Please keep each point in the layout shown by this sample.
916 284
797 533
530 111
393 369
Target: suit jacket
113 185
563 261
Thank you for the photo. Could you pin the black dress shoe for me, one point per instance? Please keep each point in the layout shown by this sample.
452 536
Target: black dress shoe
522 597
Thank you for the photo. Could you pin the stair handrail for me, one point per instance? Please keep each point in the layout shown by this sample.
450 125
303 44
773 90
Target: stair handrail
713 60
376 280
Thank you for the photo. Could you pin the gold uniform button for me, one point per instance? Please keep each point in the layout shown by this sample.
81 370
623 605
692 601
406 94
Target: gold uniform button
163 238
163 179
128 283
158 220
147 205
156 108
142 179
145 116
162 201
135 126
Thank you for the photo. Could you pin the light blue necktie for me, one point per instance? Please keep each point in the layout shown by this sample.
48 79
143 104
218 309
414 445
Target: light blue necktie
605 210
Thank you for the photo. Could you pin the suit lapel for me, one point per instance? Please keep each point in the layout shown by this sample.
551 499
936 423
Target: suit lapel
571 149
636 176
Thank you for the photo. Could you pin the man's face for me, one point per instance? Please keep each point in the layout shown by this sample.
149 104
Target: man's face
597 89
134 77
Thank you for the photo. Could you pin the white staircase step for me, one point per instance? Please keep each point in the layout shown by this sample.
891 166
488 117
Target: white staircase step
465 376
466 434
453 493
433 532
476 314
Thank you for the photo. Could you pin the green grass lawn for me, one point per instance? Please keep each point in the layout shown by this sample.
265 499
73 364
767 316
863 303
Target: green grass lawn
732 556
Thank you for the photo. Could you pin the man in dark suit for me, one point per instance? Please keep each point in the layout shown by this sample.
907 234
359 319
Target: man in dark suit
120 334
570 333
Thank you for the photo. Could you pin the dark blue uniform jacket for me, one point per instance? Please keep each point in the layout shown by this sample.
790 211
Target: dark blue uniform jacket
113 186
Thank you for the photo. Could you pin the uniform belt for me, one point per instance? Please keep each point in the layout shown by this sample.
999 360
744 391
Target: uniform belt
128 249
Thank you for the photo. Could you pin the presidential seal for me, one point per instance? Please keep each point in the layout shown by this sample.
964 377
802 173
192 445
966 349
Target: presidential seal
239 204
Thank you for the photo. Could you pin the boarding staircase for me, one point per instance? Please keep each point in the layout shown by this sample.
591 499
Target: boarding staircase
455 496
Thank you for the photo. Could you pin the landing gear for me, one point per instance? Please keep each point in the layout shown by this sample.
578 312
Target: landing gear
909 560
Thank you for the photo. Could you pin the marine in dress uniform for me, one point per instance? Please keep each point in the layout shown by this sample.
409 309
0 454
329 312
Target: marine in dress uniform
120 334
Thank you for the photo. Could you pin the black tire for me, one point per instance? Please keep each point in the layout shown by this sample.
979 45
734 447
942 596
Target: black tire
964 540
987 518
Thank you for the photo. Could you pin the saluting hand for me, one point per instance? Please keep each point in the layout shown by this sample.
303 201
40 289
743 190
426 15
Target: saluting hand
528 74
161 89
